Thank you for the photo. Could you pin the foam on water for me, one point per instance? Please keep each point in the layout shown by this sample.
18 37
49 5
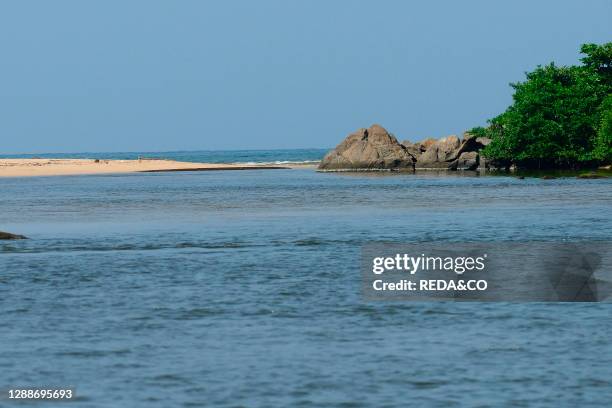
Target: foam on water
276 156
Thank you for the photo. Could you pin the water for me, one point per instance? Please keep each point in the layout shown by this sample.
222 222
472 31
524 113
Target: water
278 156
243 289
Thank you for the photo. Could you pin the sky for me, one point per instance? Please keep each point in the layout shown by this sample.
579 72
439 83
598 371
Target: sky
110 76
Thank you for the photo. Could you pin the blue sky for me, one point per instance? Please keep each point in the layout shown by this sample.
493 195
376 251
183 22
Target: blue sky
188 75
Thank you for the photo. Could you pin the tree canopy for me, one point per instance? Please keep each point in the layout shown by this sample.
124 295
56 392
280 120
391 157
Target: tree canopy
560 115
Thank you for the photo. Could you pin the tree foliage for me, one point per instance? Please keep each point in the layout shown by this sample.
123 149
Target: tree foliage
560 115
603 141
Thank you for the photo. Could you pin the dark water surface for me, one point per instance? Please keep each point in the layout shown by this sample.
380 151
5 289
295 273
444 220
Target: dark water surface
243 289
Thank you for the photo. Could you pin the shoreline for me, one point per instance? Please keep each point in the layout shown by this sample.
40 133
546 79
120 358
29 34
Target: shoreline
49 167
73 167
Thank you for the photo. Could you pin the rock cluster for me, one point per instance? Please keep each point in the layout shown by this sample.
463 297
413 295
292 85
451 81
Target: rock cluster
375 148
371 148
451 153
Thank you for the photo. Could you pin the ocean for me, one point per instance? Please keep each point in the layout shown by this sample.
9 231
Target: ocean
274 156
243 288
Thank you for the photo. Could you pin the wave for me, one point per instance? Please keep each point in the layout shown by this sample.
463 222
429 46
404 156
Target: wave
278 162
102 247
272 156
59 246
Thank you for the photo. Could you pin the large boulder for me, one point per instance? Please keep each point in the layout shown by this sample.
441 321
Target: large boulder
450 153
418 148
8 235
440 155
471 143
415 149
427 143
372 148
468 154
467 161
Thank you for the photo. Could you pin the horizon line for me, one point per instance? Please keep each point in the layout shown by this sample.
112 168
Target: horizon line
2 154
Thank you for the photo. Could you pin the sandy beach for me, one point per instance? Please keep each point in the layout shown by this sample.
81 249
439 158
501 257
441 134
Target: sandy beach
65 167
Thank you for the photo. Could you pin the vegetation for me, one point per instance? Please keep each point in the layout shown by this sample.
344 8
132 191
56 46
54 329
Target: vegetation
603 141
561 116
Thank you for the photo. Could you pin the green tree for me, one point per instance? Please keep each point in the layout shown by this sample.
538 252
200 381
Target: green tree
556 118
603 142
598 58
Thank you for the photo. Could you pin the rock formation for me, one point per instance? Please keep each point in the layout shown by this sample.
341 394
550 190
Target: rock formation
467 161
440 155
372 148
375 148
7 235
415 149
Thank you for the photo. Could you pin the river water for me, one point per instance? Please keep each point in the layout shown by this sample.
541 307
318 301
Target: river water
242 288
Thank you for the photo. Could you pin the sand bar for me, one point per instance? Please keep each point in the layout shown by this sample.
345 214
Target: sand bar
65 167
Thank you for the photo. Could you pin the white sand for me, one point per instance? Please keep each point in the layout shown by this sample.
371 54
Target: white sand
63 167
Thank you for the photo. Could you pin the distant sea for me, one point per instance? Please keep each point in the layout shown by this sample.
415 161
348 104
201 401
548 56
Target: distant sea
243 288
273 156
